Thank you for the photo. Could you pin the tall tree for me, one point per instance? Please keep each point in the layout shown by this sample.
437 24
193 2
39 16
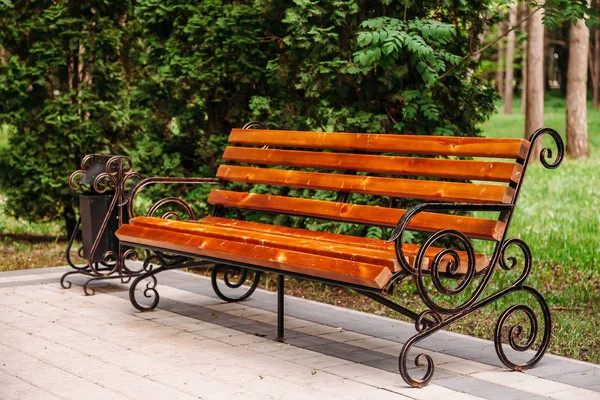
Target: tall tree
596 71
500 56
524 11
577 132
510 56
534 112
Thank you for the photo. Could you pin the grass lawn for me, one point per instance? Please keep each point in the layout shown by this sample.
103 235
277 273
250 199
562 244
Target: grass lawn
557 216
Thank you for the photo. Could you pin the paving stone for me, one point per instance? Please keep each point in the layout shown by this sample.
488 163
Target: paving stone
557 368
576 393
293 353
587 379
317 329
219 332
194 345
308 341
321 361
362 356
484 389
465 367
333 349
371 343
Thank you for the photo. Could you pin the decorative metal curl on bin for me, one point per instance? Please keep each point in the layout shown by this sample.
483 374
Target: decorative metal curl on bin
102 183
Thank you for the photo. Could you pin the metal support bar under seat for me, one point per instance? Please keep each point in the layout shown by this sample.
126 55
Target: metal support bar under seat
280 311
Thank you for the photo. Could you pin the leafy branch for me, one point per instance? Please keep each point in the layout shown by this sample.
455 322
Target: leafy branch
493 42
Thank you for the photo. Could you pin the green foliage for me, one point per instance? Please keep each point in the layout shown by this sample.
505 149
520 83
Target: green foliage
422 41
62 91
165 81
203 62
557 11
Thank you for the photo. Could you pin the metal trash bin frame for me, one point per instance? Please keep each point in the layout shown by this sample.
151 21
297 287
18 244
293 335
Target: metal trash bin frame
102 182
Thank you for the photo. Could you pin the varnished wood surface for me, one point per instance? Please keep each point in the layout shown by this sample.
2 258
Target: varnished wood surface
271 238
328 245
495 171
405 188
372 142
410 250
369 275
371 215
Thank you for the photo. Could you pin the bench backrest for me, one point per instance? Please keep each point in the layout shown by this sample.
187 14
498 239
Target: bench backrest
375 164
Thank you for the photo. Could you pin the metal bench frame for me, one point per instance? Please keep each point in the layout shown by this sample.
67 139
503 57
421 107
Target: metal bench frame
426 322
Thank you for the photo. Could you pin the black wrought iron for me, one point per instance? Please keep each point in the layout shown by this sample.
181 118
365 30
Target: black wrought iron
116 176
280 307
438 316
234 278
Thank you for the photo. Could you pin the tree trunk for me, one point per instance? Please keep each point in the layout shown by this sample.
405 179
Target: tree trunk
524 12
500 69
596 71
577 134
534 111
510 56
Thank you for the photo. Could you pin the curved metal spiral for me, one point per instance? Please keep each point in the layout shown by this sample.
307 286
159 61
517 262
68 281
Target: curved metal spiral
119 164
451 270
131 255
422 322
149 291
66 284
234 278
79 252
254 124
509 263
546 152
187 208
403 359
516 339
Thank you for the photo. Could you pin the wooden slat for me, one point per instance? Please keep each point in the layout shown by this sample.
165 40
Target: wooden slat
429 222
268 237
336 269
410 250
406 188
328 245
407 144
412 166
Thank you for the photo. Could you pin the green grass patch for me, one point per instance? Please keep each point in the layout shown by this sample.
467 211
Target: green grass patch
5 131
557 216
557 212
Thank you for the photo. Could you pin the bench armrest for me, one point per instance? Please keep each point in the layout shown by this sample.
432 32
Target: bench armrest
165 181
403 223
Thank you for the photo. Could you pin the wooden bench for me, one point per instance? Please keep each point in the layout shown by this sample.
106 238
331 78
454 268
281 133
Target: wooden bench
342 168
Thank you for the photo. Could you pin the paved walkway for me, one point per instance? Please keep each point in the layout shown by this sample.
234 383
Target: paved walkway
57 343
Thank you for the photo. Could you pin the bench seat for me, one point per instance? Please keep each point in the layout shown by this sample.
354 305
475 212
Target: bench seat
348 259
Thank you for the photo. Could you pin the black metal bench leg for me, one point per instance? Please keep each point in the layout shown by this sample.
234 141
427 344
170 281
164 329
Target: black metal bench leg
280 312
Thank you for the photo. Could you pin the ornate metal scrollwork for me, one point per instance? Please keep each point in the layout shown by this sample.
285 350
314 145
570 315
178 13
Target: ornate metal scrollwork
116 175
129 200
546 152
403 359
234 278
452 269
148 275
509 263
516 339
422 323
